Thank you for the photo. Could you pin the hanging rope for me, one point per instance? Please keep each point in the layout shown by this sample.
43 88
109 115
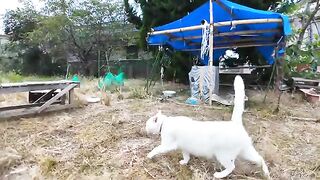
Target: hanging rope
232 25
205 39
151 80
107 59
162 75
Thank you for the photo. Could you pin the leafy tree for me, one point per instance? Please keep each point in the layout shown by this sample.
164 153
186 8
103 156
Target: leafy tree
24 56
299 51
81 28
68 27
308 20
20 22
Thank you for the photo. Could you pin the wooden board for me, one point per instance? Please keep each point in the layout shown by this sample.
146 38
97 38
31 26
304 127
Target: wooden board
9 108
296 79
305 83
33 111
7 88
56 97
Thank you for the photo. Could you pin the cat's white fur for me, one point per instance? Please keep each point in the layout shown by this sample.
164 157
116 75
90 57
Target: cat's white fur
224 140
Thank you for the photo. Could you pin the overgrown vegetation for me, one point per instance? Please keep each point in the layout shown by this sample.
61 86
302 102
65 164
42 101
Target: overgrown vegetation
12 77
303 62
303 53
138 93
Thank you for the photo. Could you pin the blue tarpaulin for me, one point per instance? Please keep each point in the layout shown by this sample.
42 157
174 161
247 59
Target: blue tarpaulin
226 11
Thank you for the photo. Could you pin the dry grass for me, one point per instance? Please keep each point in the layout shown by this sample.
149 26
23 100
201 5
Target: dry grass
109 142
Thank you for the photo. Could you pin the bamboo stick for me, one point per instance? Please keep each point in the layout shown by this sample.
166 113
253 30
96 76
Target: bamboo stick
245 45
236 46
218 24
239 33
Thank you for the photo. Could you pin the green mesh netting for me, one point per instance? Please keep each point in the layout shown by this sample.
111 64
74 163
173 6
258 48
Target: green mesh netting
75 78
119 79
109 79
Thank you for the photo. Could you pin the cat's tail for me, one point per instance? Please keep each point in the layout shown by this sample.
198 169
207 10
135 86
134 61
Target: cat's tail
238 99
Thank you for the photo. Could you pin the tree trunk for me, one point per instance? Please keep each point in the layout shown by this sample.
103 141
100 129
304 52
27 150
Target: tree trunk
279 77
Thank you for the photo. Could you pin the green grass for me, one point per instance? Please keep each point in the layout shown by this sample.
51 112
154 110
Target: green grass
13 77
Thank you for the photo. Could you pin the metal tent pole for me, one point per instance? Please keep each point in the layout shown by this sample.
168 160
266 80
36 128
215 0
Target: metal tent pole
211 50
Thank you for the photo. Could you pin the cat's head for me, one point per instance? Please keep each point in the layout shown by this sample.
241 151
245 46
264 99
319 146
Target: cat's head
154 123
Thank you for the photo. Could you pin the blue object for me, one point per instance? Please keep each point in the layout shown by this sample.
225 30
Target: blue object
231 11
192 101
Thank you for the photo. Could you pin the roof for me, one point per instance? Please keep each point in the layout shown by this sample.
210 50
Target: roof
265 30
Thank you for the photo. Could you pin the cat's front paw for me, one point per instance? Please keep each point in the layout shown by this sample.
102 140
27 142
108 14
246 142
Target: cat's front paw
218 175
268 176
150 155
183 162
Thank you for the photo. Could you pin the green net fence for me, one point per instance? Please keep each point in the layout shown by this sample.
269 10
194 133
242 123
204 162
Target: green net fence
110 80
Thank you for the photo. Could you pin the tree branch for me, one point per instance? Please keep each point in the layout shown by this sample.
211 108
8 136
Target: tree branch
132 15
307 24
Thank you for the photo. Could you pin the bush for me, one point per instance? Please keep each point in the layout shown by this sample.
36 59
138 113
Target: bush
10 77
138 93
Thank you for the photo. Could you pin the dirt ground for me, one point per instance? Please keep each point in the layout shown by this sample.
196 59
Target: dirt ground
109 142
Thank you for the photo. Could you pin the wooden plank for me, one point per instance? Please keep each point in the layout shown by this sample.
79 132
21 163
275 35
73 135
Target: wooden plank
36 83
8 108
33 111
45 95
8 88
56 97
302 86
71 96
306 80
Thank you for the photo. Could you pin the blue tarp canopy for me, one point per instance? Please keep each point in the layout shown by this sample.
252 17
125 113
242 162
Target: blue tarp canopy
263 36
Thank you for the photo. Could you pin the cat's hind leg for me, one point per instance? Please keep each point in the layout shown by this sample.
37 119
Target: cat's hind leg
228 163
252 155
186 158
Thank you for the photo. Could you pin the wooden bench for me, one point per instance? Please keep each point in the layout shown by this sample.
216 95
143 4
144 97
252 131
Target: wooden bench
43 97
302 83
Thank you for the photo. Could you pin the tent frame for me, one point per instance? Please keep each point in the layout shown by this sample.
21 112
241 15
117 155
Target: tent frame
242 43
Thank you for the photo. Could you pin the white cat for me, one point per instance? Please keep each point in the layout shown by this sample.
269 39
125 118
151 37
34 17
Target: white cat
225 140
